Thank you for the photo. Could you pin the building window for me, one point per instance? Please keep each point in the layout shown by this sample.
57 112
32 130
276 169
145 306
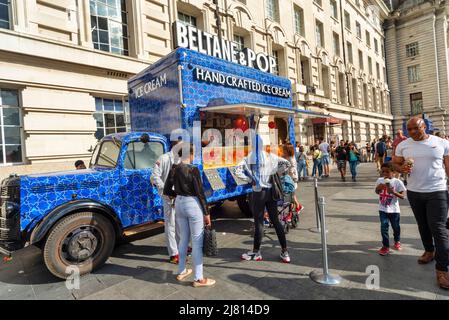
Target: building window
347 21
273 10
10 127
240 41
367 132
305 71
358 28
368 38
355 93
416 103
318 2
336 40
361 66
186 19
334 9
319 30
358 134
412 49
109 26
357 3
276 58
350 55
376 46
4 14
110 117
370 65
299 20
365 97
414 74
378 70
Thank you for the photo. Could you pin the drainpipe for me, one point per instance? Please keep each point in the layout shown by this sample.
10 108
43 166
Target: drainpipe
218 19
436 65
348 93
78 21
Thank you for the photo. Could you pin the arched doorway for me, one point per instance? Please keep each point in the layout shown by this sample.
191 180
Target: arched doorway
281 126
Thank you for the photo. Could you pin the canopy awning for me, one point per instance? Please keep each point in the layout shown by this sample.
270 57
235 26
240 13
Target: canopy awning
327 120
260 110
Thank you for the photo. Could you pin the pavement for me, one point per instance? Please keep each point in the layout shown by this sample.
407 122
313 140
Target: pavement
139 270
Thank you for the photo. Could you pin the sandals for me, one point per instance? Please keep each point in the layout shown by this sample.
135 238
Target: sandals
183 276
208 283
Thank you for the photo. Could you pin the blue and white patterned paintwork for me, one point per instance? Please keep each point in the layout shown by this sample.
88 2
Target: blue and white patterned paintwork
128 192
158 111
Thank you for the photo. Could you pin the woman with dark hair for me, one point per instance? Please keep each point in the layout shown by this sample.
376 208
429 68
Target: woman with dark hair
353 156
192 215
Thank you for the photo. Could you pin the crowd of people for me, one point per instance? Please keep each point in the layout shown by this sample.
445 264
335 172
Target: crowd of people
323 155
413 168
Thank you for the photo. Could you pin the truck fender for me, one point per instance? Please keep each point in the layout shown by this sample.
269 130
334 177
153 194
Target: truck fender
41 230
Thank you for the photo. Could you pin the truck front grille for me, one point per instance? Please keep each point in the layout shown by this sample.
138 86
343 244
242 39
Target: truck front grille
10 212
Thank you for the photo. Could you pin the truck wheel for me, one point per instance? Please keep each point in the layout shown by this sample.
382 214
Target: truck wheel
243 204
84 240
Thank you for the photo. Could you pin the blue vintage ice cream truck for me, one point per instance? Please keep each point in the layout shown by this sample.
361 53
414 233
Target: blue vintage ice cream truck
77 217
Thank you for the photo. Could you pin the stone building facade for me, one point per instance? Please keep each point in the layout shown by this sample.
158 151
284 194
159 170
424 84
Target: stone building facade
64 66
417 56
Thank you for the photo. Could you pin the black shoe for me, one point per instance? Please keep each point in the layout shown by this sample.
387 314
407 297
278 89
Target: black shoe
343 179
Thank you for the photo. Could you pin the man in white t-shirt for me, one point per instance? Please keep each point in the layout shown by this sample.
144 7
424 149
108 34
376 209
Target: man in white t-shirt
426 159
325 158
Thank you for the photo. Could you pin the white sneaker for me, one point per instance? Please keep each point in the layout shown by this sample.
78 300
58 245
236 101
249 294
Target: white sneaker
250 255
285 257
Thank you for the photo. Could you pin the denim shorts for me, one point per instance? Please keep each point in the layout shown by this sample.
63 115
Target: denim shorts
325 159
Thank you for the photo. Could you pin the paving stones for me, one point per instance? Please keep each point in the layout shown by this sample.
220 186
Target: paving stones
139 270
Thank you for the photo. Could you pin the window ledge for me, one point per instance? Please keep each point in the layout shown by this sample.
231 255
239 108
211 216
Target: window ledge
318 5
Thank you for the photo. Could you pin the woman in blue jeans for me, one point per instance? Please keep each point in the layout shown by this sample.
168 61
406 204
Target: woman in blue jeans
353 160
192 215
317 164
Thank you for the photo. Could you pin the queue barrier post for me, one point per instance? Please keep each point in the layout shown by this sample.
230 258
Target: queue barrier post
324 277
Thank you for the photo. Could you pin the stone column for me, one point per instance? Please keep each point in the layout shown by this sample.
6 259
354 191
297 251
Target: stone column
19 16
135 27
84 24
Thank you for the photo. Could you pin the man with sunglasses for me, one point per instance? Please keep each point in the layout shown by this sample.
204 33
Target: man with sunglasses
425 158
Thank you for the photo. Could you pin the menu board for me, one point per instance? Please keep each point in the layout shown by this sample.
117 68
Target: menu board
238 181
214 179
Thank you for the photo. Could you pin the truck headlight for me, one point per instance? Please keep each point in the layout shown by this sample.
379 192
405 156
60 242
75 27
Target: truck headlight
10 209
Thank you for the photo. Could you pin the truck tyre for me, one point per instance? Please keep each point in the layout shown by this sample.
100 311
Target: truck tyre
243 204
84 240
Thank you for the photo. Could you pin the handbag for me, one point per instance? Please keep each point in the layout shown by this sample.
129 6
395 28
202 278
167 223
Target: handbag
277 192
210 247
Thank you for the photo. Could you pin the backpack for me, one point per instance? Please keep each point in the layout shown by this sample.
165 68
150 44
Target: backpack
381 148
288 185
